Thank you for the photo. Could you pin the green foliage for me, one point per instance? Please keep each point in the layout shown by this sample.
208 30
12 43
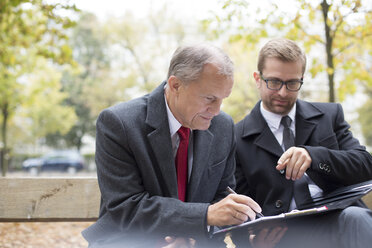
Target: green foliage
89 49
244 94
119 59
344 42
29 30
348 30
336 35
44 106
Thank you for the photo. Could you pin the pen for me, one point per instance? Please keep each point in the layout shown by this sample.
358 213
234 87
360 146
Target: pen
231 191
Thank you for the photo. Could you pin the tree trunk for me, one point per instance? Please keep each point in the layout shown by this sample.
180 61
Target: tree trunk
328 46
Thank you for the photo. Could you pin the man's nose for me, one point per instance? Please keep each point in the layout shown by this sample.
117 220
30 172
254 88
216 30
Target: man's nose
283 91
215 107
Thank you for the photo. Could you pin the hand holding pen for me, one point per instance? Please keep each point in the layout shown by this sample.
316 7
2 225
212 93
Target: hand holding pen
231 191
234 209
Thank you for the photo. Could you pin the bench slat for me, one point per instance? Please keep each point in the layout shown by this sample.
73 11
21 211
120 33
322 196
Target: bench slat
49 199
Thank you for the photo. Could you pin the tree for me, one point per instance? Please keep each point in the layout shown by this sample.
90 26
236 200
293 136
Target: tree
43 112
340 27
142 46
89 51
119 59
244 94
347 27
29 29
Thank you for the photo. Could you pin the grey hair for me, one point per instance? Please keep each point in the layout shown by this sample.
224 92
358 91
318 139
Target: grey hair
187 62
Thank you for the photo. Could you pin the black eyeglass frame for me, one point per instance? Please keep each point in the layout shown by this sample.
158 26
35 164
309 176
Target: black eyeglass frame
282 82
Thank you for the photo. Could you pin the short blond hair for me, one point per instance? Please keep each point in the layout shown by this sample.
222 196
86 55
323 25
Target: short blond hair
283 49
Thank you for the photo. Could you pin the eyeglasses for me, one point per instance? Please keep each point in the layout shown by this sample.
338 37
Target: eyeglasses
275 84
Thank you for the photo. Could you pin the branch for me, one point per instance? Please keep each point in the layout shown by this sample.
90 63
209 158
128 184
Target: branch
130 48
343 49
311 36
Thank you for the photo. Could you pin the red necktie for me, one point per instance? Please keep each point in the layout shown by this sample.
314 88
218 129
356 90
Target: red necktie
181 162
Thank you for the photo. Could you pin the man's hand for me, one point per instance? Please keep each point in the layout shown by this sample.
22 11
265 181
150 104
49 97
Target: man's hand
232 210
267 238
295 161
179 242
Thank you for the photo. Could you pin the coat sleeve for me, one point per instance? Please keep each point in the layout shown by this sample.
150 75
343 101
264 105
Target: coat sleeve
340 158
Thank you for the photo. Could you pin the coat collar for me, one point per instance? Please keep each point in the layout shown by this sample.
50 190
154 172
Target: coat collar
255 124
156 111
305 124
159 138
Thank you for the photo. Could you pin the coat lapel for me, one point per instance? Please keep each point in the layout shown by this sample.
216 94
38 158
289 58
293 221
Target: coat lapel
201 150
159 138
304 126
255 124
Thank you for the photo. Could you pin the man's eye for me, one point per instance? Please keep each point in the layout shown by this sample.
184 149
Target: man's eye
276 82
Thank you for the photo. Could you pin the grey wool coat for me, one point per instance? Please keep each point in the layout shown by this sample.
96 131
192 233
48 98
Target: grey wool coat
137 174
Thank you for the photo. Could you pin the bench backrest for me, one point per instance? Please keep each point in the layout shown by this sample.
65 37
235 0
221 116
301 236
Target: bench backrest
55 199
49 199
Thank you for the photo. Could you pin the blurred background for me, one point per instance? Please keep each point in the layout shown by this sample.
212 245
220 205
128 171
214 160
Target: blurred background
62 62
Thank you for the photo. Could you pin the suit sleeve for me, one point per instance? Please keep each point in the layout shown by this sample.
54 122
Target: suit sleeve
125 205
339 157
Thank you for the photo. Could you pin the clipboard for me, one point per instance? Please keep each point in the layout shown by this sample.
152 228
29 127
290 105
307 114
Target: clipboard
338 199
341 197
271 221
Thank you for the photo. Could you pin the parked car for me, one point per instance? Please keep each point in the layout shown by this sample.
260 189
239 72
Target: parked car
60 160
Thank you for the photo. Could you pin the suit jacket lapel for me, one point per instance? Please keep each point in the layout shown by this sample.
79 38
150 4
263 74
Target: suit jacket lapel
256 124
201 150
159 138
304 127
306 123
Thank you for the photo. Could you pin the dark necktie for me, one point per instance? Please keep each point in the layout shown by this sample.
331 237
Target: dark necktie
301 191
181 162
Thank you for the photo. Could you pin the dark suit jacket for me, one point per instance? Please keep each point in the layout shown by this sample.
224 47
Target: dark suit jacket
337 158
137 175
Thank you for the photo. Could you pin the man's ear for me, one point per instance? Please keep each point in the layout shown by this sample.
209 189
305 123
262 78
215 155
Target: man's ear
174 84
257 78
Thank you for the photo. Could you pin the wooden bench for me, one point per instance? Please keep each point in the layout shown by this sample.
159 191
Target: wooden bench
55 199
49 199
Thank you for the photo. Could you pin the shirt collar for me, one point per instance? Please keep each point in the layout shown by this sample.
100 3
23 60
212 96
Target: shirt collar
273 120
174 125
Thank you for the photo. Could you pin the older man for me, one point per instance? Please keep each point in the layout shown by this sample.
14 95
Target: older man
164 160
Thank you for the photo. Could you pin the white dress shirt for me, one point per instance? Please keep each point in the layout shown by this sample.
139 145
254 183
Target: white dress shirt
174 125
